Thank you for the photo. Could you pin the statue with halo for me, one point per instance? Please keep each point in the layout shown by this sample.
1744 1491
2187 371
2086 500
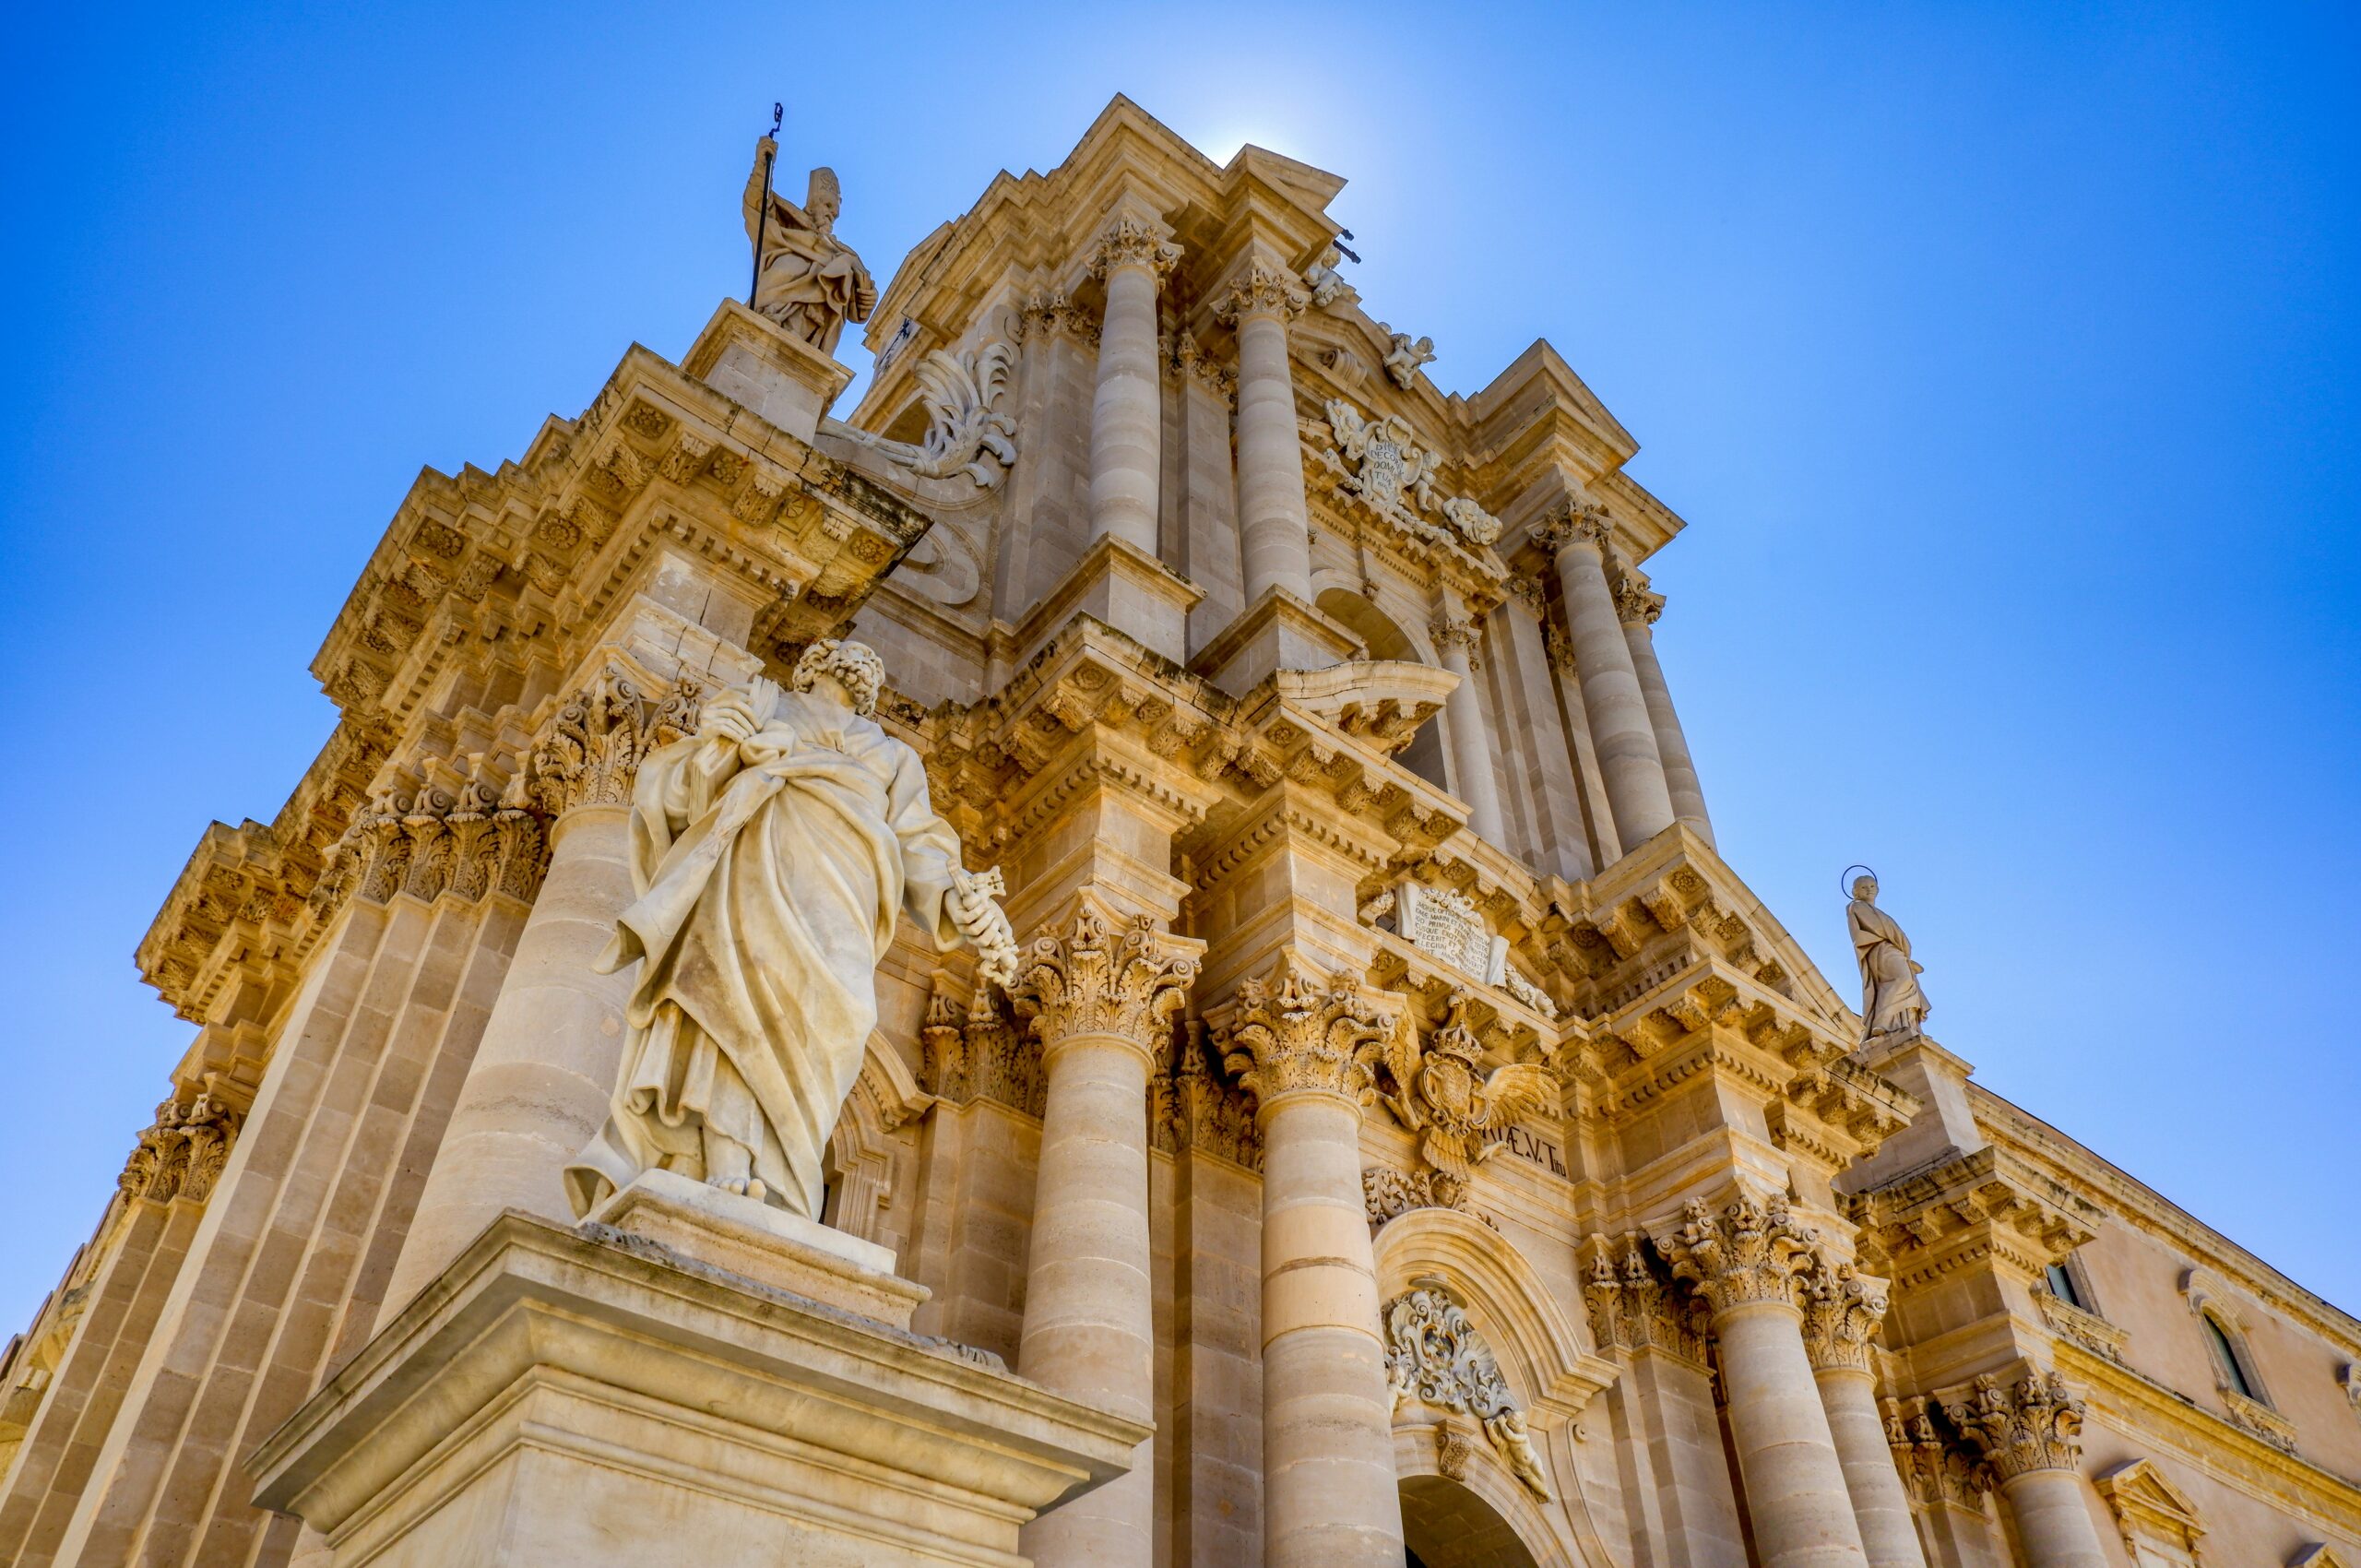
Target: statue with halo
1892 1002
772 852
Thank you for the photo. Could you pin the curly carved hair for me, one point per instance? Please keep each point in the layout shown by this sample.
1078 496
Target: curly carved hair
855 664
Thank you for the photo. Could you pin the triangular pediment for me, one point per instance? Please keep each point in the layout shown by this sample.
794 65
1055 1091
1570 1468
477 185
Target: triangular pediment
2147 1503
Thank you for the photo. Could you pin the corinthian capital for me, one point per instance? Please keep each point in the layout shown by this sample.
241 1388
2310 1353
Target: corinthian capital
2035 1423
1747 1252
1096 980
1842 1311
1580 521
1467 635
1634 602
1304 1031
1128 242
1262 290
181 1155
591 753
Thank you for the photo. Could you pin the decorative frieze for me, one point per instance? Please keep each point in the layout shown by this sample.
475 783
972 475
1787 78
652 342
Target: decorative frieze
1092 980
1635 1304
1841 1310
1434 1355
181 1154
1747 1252
2035 1423
1304 1031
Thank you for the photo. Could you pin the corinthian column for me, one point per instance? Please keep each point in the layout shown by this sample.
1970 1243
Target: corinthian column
1841 1310
2030 1433
1125 420
1744 1261
1621 731
1459 643
1302 1043
1639 608
538 1084
1272 521
1101 1005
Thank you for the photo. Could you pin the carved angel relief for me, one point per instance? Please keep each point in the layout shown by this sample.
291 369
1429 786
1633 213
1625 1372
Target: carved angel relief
1442 1092
1434 1355
1378 463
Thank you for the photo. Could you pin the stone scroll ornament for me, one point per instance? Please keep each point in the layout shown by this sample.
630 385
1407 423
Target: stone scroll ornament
775 848
969 431
1434 1355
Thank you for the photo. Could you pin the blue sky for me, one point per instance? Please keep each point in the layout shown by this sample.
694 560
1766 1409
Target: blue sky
2003 359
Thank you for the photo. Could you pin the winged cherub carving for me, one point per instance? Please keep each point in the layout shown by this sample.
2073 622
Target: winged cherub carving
1443 1093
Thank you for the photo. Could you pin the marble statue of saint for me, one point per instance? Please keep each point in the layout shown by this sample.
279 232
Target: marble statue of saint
810 281
772 852
1892 1002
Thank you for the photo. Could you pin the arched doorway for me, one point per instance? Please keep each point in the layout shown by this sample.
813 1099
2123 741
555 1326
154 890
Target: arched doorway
1383 640
1446 1526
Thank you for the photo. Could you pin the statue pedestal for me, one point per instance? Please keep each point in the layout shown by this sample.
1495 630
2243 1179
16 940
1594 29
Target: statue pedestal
749 360
689 1375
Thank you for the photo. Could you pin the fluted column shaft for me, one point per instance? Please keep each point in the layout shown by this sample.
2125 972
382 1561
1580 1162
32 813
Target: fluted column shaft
1640 609
543 1074
1330 1496
1459 644
1100 1001
1622 734
1273 519
1126 422
1743 1260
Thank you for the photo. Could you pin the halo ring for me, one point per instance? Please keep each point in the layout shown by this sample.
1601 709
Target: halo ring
1845 878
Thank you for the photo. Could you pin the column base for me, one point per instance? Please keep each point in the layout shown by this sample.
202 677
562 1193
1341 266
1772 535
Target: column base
1123 585
748 358
1278 631
686 1372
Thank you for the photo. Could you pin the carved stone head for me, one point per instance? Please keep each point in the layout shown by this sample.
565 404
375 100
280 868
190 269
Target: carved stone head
852 668
825 198
1864 888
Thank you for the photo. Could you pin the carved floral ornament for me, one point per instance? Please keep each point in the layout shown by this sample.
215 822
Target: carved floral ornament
969 431
1301 1031
2035 1423
1379 463
1128 242
1095 981
434 842
1261 291
1841 1310
1635 1304
1744 1254
590 754
1434 1356
181 1154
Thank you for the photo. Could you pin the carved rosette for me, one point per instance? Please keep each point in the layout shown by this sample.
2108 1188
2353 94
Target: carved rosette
1130 242
1434 1356
1634 1305
1746 1254
589 755
1262 290
2035 1423
1092 982
181 1154
1301 1031
1842 1311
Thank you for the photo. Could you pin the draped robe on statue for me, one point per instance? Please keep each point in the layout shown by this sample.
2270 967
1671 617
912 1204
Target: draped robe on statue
769 875
1890 1000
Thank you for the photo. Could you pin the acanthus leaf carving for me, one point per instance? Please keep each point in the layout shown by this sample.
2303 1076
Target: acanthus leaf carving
1745 1253
1303 1031
2035 1423
1092 980
969 431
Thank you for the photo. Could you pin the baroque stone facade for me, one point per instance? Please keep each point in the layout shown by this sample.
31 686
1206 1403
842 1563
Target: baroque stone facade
1400 1107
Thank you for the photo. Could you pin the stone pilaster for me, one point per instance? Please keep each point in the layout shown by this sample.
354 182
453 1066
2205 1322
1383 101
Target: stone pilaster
1460 642
1639 610
1273 518
1100 996
2030 1433
1126 423
1841 1310
539 1085
1617 708
1303 1043
1744 1260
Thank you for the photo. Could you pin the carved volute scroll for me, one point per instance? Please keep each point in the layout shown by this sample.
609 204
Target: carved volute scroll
1302 1031
1095 981
2035 1423
1841 1310
1434 1356
1746 1254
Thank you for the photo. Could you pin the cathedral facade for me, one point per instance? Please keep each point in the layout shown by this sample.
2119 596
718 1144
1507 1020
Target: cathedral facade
1399 1110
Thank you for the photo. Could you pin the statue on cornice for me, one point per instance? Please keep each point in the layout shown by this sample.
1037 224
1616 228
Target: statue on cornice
772 852
809 281
1892 1002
